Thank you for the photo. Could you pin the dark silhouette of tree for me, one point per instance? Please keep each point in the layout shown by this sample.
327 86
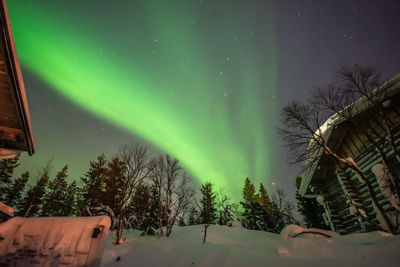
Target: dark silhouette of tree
310 209
55 200
7 167
31 202
125 172
94 183
13 195
208 205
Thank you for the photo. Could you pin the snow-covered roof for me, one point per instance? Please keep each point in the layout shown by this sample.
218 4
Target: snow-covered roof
7 210
53 241
327 129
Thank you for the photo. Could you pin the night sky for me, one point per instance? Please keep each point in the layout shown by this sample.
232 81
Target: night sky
201 80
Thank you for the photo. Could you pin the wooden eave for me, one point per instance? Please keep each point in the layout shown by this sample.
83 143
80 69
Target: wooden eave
15 123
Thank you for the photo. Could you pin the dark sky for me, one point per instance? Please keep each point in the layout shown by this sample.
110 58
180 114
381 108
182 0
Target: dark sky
201 80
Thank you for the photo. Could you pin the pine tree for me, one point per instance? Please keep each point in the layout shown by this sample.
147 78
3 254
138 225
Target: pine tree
55 199
249 190
253 210
70 207
264 200
94 183
193 216
13 196
150 222
140 203
209 209
278 218
310 209
32 201
7 167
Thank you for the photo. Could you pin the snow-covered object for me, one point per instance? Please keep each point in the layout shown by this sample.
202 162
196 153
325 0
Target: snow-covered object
6 209
327 214
237 224
103 210
293 231
229 246
384 179
53 241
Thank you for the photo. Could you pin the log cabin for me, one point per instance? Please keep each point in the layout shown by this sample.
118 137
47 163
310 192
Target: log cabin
347 201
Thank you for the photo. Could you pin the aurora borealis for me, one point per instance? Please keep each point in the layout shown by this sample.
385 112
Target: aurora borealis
165 87
200 80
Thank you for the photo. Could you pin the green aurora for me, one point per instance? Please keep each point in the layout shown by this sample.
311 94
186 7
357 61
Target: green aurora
182 75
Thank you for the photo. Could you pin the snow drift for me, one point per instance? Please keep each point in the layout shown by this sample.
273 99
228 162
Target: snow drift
235 246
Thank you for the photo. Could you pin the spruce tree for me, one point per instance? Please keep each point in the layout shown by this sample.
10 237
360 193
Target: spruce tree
140 204
264 200
252 209
310 209
249 192
55 199
94 183
150 222
13 196
208 204
32 201
7 167
193 216
70 207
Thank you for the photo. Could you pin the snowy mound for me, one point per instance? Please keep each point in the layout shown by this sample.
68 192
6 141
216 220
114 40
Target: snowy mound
293 231
233 246
237 224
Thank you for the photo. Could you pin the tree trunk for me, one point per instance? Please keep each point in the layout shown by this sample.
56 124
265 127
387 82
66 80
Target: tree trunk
119 231
205 233
160 217
28 210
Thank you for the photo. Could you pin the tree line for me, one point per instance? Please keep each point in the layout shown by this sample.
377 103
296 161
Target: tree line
148 194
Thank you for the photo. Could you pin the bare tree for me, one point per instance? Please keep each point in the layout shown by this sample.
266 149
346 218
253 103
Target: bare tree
135 167
158 177
225 207
285 207
174 194
172 172
305 136
181 199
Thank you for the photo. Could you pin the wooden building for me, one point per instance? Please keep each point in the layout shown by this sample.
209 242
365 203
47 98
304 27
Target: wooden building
15 124
344 195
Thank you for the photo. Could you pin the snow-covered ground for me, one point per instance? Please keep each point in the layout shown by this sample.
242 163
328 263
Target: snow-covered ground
235 246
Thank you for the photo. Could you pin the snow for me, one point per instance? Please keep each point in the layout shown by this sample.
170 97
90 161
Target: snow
52 241
235 246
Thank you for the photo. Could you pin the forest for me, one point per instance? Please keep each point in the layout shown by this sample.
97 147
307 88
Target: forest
148 194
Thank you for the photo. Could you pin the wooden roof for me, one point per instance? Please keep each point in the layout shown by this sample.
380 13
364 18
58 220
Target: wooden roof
15 124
